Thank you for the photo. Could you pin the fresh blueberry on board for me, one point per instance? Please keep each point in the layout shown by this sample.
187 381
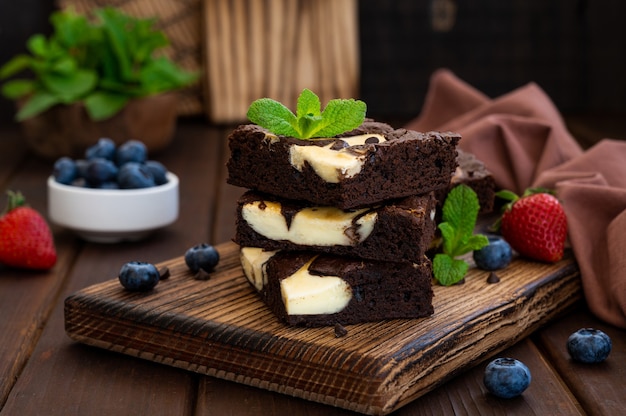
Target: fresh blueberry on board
589 346
139 276
104 148
494 256
131 151
202 257
133 175
65 170
100 170
506 377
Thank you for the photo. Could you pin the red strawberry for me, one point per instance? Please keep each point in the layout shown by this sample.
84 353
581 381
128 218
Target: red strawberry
25 238
535 225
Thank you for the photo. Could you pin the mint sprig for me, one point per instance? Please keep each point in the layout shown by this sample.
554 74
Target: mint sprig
460 211
339 116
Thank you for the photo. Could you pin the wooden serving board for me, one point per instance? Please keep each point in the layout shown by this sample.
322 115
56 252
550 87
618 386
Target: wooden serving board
219 327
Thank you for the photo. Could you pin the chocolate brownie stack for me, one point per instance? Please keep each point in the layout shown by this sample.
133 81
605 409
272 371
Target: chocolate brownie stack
335 230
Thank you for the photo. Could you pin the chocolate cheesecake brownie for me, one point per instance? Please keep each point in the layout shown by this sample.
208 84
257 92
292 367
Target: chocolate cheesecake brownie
309 289
399 230
473 173
366 166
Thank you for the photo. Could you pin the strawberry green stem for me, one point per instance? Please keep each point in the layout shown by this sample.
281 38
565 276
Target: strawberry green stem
15 200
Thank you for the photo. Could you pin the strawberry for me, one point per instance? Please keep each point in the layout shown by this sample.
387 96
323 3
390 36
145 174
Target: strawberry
25 238
534 224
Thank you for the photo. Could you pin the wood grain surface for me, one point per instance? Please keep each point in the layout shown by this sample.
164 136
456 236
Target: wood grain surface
275 49
219 327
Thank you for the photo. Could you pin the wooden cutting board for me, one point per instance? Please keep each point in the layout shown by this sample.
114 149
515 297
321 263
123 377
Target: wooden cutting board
219 327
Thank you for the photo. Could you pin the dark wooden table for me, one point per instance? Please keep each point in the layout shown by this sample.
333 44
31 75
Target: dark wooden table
43 372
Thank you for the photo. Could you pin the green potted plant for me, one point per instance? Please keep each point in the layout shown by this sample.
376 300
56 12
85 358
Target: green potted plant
95 76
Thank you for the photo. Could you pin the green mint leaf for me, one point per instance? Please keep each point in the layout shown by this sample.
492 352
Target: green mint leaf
507 195
339 116
448 235
273 116
309 113
448 270
459 214
474 242
460 210
309 105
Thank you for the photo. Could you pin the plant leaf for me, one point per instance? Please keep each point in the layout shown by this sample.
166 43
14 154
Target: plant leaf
18 88
102 105
72 86
448 234
474 242
163 75
36 104
448 270
37 45
114 26
273 115
461 209
340 116
64 66
15 65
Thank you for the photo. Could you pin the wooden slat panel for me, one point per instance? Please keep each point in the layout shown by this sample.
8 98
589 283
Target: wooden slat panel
12 152
64 378
220 328
26 297
599 387
277 50
467 395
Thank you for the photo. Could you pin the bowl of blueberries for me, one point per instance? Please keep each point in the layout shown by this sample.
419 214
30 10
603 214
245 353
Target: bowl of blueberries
114 194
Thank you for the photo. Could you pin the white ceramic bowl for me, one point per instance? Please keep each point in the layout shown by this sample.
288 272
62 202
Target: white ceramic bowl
113 215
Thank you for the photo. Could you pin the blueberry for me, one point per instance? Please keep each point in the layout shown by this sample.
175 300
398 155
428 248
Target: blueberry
109 185
506 377
100 170
134 175
158 171
104 148
81 165
65 170
131 151
80 183
589 346
202 256
139 276
496 255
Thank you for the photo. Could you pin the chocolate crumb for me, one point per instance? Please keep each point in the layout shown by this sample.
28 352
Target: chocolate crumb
493 278
164 273
340 331
202 275
339 144
372 140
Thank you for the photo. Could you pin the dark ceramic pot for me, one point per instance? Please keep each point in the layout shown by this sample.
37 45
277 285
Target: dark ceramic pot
68 130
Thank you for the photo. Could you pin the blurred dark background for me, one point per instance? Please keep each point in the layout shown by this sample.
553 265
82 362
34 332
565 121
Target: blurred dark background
574 49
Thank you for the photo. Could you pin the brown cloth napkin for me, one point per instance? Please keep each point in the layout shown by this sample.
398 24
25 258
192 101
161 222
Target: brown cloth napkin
522 139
